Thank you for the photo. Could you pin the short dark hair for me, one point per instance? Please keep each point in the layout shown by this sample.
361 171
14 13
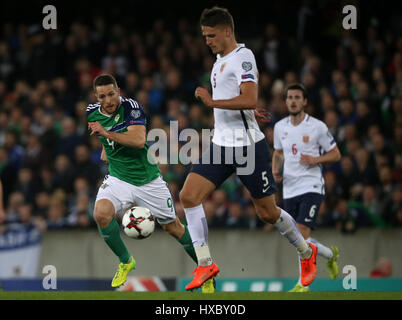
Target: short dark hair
104 80
296 86
217 16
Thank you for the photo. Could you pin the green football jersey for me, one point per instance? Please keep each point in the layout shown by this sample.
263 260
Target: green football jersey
125 163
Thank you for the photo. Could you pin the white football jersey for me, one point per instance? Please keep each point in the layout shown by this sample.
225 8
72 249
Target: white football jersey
310 137
227 74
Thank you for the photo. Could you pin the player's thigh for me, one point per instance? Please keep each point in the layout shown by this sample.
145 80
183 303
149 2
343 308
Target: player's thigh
308 209
260 182
195 189
118 192
205 176
156 196
291 206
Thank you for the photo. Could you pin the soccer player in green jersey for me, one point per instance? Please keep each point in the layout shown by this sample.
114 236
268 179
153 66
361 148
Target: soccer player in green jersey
120 125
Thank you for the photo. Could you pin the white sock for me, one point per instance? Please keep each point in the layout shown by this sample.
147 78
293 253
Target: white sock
198 228
321 249
287 227
203 256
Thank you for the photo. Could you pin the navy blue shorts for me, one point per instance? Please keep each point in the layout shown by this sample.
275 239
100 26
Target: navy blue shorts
304 208
251 164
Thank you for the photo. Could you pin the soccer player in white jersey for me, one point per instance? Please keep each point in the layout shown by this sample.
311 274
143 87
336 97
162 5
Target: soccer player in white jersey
234 80
302 145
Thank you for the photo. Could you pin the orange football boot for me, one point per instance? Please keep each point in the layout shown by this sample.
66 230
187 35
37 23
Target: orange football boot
309 267
202 274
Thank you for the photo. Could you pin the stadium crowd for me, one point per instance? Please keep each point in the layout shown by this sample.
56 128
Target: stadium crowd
50 167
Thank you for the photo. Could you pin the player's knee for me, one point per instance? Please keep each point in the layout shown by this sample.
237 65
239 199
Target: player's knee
268 214
102 216
175 229
188 199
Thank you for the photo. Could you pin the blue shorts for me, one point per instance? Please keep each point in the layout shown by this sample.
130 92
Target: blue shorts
304 208
251 164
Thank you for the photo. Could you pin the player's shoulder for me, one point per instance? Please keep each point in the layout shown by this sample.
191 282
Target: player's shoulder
92 107
282 123
310 120
243 52
129 103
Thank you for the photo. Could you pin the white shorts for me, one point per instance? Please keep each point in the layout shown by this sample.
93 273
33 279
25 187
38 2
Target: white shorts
154 195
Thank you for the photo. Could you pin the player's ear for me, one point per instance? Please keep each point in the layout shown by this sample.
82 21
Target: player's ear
228 31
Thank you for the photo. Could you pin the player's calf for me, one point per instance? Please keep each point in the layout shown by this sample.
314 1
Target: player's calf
267 209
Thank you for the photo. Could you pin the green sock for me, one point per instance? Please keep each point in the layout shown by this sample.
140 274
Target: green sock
111 235
187 244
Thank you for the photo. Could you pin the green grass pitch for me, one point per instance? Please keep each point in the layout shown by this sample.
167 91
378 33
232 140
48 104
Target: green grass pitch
174 295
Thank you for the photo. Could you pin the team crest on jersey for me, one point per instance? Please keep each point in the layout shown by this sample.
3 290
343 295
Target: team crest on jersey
136 114
116 118
306 138
247 66
222 67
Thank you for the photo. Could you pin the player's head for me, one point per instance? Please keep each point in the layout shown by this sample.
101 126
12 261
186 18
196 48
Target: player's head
217 27
107 92
296 98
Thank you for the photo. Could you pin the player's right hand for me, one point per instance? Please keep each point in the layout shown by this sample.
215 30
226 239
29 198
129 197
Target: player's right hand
277 176
262 115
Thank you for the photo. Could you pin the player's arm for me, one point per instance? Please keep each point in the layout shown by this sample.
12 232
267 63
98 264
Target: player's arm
278 161
331 156
135 135
246 100
103 155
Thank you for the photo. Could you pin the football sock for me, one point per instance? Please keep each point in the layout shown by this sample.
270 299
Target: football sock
197 225
203 255
187 244
321 249
287 227
198 229
111 235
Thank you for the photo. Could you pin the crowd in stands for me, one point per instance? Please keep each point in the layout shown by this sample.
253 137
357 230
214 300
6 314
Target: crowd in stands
50 167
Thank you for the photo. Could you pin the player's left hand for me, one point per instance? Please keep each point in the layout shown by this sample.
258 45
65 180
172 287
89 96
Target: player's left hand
307 160
96 127
262 115
204 95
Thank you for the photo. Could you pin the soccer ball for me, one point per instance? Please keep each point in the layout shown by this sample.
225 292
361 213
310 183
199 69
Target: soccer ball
138 223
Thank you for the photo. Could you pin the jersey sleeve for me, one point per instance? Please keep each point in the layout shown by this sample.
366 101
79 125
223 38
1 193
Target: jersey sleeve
277 139
326 140
246 68
134 113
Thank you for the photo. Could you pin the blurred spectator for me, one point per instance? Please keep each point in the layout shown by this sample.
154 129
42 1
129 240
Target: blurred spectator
345 219
83 166
219 198
35 156
236 218
56 213
383 269
366 171
2 211
333 190
64 173
252 222
69 139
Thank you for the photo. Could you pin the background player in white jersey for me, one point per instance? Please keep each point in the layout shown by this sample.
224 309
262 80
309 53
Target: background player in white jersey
299 140
234 81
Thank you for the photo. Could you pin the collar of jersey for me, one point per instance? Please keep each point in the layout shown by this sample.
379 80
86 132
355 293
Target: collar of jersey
239 45
111 115
306 117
